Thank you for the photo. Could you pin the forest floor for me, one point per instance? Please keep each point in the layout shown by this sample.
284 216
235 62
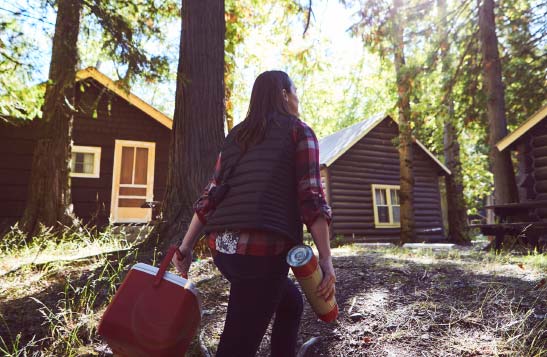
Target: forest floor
392 301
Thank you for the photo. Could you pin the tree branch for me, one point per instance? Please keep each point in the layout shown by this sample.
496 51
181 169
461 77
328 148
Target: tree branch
22 13
310 12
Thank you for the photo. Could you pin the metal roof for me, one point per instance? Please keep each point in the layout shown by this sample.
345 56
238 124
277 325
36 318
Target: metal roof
523 129
91 72
335 145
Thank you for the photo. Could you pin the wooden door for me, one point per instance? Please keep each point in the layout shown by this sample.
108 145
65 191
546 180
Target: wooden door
132 181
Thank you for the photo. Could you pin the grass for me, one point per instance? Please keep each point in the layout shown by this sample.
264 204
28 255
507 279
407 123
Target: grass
532 259
72 322
70 316
66 282
71 244
523 331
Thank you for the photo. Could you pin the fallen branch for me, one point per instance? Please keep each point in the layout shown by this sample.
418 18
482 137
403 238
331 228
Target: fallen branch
202 347
38 265
302 351
352 305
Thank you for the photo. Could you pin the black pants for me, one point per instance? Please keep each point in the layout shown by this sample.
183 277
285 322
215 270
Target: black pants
259 288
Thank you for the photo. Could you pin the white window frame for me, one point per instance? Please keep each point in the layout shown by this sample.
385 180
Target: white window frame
388 189
96 151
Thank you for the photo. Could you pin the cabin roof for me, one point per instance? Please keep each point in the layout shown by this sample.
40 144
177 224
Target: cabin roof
523 129
91 72
335 145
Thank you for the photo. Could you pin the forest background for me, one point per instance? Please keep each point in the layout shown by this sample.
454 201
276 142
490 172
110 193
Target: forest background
332 51
349 60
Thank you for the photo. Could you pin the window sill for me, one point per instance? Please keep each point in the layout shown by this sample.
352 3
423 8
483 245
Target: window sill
387 225
73 174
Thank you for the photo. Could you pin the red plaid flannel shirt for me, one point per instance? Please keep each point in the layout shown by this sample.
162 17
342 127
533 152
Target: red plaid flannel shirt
311 199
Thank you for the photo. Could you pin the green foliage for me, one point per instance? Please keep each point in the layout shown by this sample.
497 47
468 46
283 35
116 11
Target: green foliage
15 348
126 31
128 36
17 55
335 89
69 241
523 32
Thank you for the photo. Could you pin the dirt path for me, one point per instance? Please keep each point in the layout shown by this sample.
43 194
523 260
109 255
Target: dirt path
414 305
392 303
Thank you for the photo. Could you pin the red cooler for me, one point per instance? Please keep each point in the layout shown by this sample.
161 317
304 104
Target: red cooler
154 313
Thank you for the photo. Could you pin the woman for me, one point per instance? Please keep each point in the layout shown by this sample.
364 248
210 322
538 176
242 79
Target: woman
266 185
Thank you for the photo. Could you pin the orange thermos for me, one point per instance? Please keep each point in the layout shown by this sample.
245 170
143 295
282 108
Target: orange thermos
307 271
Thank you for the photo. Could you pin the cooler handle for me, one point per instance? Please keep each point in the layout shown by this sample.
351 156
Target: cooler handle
165 263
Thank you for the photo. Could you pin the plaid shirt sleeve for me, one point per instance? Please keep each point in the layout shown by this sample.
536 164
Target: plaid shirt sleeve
311 198
203 206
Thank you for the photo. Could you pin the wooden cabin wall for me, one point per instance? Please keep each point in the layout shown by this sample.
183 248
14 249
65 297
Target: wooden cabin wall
17 144
525 170
115 119
375 160
427 198
539 163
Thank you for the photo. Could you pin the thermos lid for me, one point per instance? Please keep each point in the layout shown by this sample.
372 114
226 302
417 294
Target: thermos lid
299 255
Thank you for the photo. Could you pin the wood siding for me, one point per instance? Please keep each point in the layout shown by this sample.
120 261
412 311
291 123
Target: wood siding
538 158
375 160
103 118
16 147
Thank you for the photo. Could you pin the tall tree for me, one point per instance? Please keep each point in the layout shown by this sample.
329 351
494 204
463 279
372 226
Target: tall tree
457 210
403 78
505 190
49 191
198 122
383 25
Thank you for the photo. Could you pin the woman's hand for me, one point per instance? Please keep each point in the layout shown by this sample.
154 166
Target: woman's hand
188 242
183 261
326 289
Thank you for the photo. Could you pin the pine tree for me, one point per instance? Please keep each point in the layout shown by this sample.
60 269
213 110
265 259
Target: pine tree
198 122
505 190
403 75
49 191
457 210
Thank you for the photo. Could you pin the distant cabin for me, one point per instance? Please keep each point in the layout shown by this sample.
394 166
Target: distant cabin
529 141
360 174
119 157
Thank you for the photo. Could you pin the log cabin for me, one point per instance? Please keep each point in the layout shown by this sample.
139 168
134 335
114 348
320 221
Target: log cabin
360 175
119 155
529 142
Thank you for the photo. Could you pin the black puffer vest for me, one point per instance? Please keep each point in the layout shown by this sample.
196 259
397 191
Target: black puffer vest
263 192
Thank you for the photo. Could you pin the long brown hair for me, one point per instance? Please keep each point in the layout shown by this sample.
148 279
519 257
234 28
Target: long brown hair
266 99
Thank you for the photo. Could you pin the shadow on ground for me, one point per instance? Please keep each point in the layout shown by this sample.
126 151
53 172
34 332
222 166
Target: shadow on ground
390 305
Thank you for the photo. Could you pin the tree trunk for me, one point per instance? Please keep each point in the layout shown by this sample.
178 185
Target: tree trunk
198 122
48 199
457 209
505 189
408 233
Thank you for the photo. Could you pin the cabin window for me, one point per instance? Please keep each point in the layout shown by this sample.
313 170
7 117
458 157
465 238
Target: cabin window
85 161
387 212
